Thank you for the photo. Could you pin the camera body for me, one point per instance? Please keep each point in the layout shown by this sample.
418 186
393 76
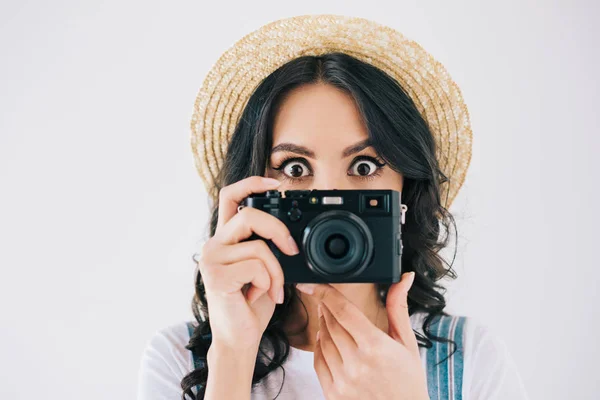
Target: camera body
344 236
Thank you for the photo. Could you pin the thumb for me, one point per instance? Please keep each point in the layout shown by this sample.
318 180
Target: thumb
397 308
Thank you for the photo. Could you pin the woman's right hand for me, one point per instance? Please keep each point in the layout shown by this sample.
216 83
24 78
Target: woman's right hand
239 313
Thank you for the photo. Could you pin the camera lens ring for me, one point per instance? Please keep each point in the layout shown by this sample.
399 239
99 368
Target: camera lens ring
337 222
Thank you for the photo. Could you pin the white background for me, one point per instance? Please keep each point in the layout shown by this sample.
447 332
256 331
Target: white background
101 207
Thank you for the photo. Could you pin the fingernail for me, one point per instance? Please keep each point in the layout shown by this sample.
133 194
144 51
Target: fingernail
319 311
411 279
308 288
318 332
293 245
280 296
271 182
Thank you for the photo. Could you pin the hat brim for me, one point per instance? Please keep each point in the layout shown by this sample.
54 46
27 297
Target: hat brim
236 74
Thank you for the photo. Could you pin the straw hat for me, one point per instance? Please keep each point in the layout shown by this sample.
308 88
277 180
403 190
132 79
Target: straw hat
233 78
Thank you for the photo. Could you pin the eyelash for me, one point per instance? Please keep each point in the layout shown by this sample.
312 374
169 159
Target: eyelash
378 163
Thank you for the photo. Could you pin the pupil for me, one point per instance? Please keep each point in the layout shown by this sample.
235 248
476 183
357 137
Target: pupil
296 170
363 169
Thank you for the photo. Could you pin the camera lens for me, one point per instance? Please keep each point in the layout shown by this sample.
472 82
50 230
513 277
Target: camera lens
336 246
337 243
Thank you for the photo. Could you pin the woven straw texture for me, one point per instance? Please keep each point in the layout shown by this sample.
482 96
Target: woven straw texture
233 78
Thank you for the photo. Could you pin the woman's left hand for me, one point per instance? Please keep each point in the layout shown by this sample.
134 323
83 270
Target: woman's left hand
354 359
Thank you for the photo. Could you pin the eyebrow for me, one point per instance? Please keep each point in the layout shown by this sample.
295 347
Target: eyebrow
355 148
305 151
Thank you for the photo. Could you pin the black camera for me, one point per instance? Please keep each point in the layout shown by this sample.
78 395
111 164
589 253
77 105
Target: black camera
344 236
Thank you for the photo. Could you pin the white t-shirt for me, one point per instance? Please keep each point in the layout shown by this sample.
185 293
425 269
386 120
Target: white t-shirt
489 371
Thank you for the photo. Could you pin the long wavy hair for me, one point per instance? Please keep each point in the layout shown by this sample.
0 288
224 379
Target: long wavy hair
401 138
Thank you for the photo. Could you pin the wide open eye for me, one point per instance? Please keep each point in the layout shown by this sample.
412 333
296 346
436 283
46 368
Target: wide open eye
295 169
363 167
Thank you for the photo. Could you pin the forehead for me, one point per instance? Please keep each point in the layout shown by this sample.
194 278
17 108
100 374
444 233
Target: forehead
318 116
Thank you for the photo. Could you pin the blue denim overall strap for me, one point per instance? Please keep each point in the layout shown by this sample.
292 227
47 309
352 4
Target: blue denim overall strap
197 362
445 379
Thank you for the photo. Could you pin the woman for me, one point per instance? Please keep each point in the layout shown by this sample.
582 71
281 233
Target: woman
338 118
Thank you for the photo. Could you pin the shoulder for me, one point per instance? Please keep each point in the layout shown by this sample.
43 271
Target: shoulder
470 334
482 366
482 343
165 361
489 369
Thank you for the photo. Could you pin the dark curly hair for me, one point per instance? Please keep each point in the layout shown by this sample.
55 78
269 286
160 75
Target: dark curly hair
402 139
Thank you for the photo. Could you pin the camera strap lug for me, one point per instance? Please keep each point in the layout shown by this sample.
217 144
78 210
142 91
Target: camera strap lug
404 208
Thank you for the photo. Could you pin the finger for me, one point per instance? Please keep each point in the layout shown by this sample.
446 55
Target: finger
231 196
320 365
344 342
261 281
398 316
347 314
231 278
330 351
252 220
254 294
255 249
